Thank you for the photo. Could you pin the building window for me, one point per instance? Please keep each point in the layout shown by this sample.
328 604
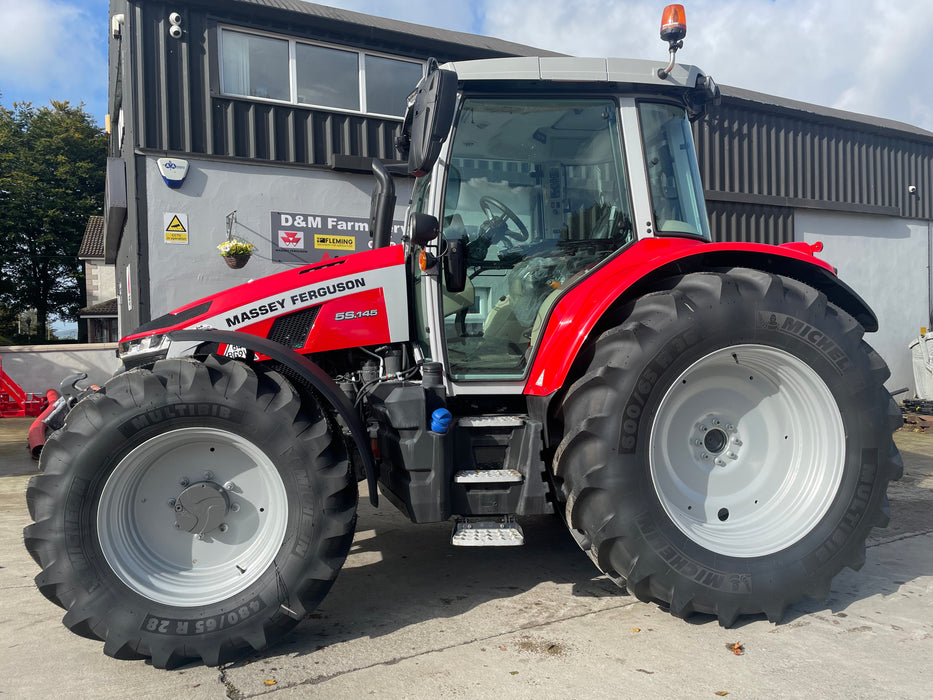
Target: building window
255 66
388 84
102 330
274 68
328 77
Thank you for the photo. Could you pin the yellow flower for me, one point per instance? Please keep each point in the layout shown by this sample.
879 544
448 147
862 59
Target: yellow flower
236 247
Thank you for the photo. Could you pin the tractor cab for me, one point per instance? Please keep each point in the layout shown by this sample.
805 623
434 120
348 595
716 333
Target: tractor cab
534 173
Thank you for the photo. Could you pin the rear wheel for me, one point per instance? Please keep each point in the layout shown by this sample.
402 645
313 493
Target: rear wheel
194 510
728 447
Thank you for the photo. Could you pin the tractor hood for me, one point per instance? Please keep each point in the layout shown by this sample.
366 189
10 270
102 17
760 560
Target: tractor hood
359 299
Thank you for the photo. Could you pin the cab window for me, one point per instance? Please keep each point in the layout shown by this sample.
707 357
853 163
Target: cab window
673 175
537 193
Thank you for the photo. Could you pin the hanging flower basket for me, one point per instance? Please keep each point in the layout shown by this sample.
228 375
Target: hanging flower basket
236 253
236 261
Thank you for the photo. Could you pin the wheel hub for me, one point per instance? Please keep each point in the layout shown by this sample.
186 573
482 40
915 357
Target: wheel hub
201 508
716 440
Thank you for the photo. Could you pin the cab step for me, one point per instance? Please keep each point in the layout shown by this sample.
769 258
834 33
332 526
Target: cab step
488 476
494 421
499 532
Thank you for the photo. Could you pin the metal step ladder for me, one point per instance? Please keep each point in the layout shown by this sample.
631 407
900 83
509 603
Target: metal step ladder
488 530
499 532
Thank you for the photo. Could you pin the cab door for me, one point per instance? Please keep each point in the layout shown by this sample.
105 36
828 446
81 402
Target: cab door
535 195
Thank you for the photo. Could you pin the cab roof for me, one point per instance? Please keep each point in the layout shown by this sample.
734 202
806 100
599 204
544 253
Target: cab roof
571 69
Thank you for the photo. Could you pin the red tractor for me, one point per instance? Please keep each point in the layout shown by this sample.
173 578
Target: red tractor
556 332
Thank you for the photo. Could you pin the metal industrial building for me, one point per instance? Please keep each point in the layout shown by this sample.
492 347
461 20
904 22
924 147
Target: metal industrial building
258 145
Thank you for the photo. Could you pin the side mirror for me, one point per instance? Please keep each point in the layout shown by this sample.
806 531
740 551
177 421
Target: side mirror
455 269
423 228
428 119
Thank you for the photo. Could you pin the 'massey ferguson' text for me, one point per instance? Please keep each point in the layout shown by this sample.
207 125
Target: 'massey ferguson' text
275 306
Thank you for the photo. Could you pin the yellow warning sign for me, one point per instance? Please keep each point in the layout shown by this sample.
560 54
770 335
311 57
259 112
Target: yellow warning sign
334 242
176 228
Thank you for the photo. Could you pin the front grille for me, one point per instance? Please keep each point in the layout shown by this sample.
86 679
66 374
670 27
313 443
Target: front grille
292 330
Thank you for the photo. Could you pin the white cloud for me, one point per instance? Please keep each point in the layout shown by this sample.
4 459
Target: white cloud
50 48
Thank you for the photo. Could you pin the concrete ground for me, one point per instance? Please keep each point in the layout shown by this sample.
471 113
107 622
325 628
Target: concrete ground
412 617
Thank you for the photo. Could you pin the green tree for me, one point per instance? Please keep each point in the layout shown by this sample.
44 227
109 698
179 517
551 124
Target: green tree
52 171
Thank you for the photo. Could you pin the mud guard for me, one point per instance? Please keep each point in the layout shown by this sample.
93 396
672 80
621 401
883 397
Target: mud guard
633 273
309 371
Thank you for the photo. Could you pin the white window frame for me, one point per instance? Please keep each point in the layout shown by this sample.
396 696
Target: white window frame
293 71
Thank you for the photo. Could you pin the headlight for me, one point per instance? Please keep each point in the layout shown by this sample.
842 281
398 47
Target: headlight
147 348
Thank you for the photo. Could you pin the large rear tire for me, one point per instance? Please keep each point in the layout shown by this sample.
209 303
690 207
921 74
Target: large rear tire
194 510
728 446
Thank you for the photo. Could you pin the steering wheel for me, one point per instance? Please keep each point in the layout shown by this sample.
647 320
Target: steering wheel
486 203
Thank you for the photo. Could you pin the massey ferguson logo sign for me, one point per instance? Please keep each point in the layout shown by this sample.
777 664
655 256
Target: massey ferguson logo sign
307 238
292 240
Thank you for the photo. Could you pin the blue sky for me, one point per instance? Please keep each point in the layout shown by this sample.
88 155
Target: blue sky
867 56
54 50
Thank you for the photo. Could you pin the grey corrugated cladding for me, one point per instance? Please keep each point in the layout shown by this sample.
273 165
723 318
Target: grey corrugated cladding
761 157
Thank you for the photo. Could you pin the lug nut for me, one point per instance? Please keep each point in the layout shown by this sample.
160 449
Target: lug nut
208 475
235 507
223 527
229 486
184 481
171 503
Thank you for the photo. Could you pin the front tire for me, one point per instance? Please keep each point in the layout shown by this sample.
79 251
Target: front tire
191 510
728 446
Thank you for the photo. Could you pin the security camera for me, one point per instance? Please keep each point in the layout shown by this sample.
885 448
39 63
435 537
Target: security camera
174 31
912 189
175 19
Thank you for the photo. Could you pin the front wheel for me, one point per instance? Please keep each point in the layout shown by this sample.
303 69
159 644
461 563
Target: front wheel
194 510
728 447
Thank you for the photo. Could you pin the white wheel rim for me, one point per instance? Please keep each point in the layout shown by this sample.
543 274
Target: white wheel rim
136 520
747 450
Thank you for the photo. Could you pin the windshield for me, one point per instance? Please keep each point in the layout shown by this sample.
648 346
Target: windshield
536 191
673 176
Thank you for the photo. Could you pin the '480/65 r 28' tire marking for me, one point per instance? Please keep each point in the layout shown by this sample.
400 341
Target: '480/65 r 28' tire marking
212 623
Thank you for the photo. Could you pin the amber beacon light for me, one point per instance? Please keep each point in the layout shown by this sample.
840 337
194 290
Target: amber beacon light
673 30
673 23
